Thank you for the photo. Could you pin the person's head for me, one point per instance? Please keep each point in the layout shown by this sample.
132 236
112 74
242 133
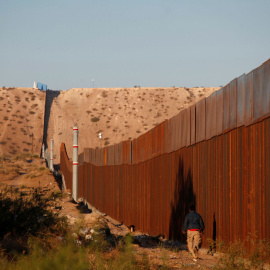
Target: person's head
192 208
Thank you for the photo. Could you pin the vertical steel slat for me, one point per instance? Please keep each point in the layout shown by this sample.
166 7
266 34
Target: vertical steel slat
257 93
241 99
226 108
200 121
258 175
219 112
183 125
188 126
267 176
192 124
249 98
233 104
214 114
208 117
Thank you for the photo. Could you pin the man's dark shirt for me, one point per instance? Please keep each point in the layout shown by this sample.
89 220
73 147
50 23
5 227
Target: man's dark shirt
193 221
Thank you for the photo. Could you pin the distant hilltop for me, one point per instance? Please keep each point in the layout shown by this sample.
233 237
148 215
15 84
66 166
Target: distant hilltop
29 116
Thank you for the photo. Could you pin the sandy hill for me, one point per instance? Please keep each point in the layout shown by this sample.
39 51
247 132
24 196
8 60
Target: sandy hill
118 113
21 120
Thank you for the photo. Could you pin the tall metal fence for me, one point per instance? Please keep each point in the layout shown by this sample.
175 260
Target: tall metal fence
215 154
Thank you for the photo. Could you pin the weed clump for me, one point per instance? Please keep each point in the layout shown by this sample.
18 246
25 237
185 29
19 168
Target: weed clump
237 256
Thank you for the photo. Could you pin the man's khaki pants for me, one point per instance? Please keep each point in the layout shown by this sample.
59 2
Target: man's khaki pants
193 241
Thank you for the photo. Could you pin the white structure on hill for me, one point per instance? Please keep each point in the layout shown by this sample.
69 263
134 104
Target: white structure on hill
35 85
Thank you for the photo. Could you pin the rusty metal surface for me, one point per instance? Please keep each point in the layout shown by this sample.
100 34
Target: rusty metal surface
200 121
241 100
208 120
266 88
226 108
193 124
233 104
257 93
66 167
81 158
183 128
174 133
150 182
227 177
211 116
248 98
219 111
126 152
214 114
188 126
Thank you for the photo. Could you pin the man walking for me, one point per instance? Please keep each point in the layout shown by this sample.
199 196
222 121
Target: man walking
194 225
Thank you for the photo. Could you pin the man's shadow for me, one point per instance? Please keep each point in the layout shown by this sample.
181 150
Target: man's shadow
183 197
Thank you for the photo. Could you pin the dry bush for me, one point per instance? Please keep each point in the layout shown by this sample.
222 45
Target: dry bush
34 106
94 119
104 94
236 255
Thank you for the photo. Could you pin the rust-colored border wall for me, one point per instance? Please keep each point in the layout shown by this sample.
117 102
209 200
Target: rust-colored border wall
215 154
66 166
227 177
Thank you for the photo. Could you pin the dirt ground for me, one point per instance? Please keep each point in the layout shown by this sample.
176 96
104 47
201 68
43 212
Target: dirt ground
29 173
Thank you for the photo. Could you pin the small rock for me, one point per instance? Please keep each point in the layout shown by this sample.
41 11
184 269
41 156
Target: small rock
88 237
75 235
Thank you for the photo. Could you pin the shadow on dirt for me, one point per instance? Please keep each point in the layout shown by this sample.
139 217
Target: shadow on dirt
50 96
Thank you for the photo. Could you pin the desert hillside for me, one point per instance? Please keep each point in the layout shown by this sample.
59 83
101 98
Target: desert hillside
118 113
21 120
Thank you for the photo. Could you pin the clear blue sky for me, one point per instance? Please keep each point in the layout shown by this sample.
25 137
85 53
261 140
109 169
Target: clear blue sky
122 43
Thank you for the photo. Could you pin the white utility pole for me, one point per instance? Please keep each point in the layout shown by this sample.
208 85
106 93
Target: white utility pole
75 171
